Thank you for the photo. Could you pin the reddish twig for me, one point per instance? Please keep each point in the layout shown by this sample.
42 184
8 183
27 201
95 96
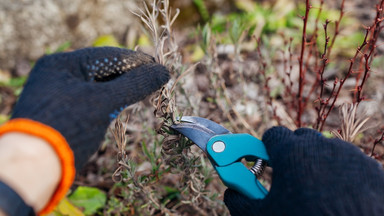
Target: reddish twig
367 68
325 56
321 80
375 28
337 28
335 95
313 42
369 39
302 70
318 16
324 60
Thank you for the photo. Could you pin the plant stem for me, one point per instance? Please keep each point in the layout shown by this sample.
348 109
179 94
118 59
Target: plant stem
375 28
321 80
337 28
370 40
335 95
377 141
289 95
267 78
301 63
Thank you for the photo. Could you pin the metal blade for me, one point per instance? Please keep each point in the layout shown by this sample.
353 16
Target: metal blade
199 130
213 126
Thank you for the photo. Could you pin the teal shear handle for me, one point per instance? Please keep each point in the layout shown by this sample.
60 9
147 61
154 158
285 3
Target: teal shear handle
226 151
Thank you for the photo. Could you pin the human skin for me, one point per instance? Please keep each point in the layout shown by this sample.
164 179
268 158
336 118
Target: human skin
30 166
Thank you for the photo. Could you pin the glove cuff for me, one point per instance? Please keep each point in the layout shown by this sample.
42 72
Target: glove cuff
60 146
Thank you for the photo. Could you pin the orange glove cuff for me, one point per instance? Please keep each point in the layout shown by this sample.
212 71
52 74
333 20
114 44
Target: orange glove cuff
61 147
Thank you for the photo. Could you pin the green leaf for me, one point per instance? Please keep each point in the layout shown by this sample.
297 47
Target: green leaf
172 193
206 38
106 40
246 5
91 199
197 54
236 30
218 23
15 82
202 8
144 41
66 208
62 47
18 81
328 134
4 118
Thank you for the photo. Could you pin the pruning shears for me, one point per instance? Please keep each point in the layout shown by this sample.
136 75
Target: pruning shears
225 151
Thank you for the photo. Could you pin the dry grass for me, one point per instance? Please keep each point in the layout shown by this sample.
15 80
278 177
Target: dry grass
352 122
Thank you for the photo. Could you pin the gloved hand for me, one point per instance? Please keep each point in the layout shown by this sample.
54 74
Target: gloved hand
68 103
78 93
314 175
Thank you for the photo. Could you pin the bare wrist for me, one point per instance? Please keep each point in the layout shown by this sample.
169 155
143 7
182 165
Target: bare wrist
30 166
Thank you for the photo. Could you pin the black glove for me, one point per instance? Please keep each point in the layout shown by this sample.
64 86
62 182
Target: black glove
313 175
78 93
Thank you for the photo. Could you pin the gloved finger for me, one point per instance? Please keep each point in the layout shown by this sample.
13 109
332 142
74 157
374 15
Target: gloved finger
274 137
307 132
109 62
90 64
133 85
238 204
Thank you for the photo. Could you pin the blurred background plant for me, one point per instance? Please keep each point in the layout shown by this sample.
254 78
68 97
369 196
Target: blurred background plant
245 64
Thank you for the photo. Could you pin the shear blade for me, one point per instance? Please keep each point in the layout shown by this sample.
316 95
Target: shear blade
199 130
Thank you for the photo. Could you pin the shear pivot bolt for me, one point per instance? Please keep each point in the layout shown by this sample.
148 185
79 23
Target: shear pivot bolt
218 146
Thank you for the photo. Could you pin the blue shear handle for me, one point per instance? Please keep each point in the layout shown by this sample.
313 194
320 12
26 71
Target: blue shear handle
237 146
237 177
227 162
